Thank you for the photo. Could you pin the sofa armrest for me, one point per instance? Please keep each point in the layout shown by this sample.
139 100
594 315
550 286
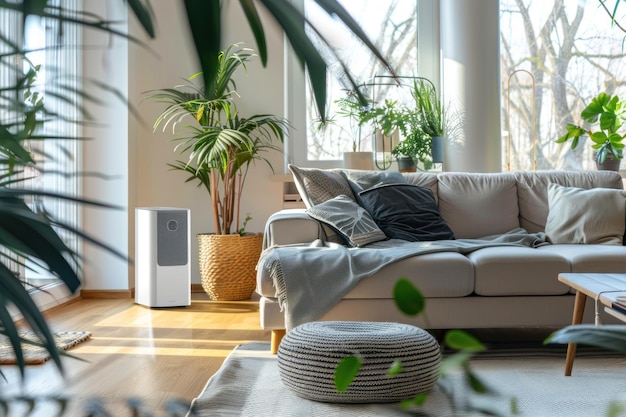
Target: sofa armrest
292 226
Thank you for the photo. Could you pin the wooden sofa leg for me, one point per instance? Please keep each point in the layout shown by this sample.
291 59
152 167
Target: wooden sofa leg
277 336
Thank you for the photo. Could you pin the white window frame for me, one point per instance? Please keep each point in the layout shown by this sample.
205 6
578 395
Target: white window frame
429 66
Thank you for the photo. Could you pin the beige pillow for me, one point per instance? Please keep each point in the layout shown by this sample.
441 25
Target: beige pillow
577 215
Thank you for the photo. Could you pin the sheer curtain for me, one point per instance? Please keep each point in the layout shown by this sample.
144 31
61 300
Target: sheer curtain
53 46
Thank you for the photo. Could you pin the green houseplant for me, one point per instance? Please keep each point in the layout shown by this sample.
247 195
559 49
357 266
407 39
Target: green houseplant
609 114
416 144
27 231
219 145
437 120
358 115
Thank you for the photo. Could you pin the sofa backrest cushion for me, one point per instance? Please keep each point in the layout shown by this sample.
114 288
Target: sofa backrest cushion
532 190
478 205
579 216
423 179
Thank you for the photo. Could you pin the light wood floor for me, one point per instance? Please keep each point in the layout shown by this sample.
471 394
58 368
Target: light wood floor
153 354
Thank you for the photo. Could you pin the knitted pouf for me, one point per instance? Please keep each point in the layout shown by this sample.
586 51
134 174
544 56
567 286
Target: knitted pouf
309 354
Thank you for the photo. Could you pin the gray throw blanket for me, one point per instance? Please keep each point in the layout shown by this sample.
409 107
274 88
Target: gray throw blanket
309 280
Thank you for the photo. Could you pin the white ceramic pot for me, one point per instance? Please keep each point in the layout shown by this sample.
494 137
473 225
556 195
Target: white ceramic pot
358 160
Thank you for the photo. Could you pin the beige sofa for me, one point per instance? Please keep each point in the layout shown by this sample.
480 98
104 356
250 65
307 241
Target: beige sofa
493 287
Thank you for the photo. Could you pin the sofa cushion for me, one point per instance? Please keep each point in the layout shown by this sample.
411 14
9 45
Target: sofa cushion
583 216
590 258
349 220
478 205
532 191
518 271
443 274
318 185
405 211
423 179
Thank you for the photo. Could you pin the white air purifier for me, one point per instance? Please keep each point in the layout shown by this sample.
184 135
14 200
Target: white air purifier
162 257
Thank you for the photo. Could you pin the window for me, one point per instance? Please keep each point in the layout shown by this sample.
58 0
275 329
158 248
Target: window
392 26
49 46
556 55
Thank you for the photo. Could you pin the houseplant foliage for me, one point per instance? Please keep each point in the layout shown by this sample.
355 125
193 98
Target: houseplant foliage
28 230
204 18
40 238
609 113
219 143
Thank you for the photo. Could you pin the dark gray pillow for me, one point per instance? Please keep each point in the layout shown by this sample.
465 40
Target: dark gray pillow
349 220
406 211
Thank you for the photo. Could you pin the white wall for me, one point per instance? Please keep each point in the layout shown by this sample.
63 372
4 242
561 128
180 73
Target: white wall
130 150
106 61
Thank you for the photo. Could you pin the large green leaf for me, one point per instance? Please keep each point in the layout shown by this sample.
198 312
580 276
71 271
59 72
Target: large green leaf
408 298
346 371
612 337
204 18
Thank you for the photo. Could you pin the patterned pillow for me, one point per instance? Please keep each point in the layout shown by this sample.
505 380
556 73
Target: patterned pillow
318 185
349 219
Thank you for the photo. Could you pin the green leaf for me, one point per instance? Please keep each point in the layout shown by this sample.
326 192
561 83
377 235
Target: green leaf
475 382
408 298
418 400
254 21
461 340
144 15
395 368
595 108
611 336
599 137
346 371
292 21
204 18
455 361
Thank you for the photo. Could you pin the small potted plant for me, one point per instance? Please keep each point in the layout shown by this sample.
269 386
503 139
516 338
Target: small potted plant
436 120
609 114
219 145
415 147
357 115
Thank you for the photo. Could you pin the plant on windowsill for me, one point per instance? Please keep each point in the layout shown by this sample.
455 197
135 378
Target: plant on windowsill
437 121
357 115
220 145
415 148
609 114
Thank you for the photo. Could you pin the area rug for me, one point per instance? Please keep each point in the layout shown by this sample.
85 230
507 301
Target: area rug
35 354
248 384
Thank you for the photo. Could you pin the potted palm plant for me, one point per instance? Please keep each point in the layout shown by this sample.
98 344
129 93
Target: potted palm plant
219 145
608 112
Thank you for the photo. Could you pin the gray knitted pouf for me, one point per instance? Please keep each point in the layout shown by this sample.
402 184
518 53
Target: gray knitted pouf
309 354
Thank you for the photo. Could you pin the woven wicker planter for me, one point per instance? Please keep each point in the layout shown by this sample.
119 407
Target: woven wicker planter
227 265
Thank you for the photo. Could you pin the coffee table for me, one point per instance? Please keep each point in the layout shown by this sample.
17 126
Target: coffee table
604 288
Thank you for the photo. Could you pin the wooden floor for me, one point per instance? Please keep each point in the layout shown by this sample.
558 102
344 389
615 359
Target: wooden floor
153 354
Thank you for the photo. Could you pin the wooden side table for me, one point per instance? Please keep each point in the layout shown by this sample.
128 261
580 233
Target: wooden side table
604 288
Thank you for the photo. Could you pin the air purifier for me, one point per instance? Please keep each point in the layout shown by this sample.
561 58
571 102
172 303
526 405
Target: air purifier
162 257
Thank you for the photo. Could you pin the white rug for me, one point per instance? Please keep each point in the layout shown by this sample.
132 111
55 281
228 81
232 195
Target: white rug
248 384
